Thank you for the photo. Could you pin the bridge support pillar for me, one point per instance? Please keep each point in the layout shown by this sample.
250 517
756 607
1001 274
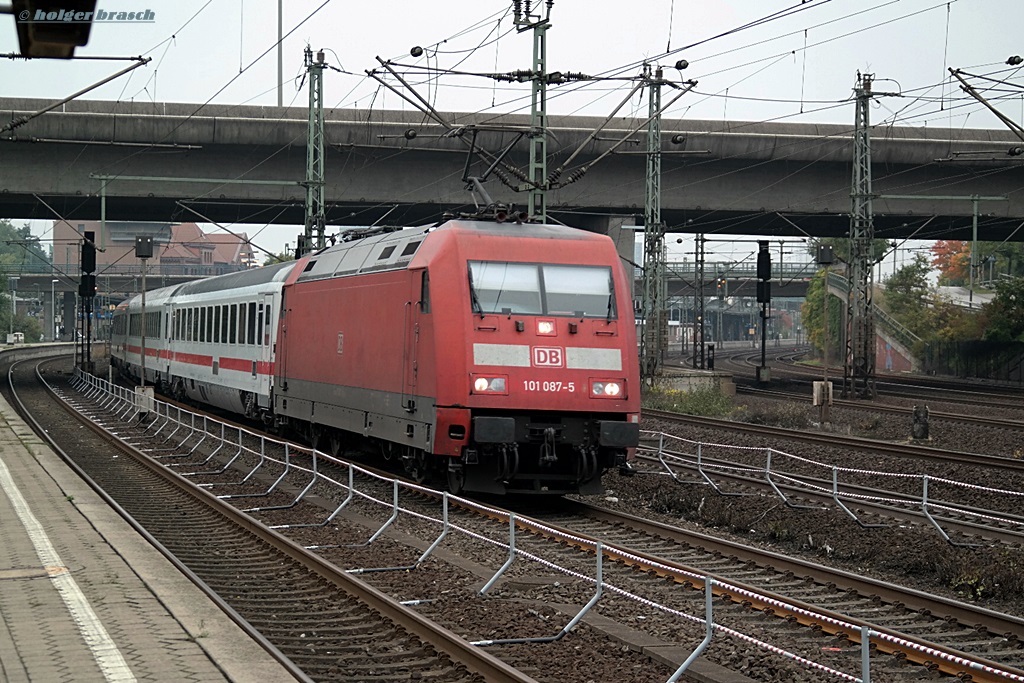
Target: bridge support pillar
69 315
622 230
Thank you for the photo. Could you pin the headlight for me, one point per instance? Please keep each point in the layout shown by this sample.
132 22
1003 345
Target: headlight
490 385
606 388
546 328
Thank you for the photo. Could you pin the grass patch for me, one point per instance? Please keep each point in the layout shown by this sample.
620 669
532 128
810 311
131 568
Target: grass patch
783 414
704 401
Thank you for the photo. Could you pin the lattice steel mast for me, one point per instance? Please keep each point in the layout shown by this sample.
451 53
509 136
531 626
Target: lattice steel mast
524 21
652 340
859 365
313 238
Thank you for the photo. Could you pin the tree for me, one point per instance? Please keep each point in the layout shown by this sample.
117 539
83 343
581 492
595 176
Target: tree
20 249
278 258
841 248
953 259
1005 313
813 316
908 296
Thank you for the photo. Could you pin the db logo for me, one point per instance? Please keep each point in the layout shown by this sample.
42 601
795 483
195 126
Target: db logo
552 357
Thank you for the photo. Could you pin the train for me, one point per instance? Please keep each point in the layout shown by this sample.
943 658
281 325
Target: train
499 357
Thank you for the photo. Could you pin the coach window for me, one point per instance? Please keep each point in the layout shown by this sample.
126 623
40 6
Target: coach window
209 324
216 324
241 323
153 325
251 322
224 324
232 323
193 325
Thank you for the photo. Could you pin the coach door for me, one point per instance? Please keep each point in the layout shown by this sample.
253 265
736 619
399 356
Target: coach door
265 339
164 361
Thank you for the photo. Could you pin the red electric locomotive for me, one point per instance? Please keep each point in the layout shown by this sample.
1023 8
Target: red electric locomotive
500 356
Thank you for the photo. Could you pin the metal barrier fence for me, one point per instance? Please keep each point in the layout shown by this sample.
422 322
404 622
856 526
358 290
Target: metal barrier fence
989 360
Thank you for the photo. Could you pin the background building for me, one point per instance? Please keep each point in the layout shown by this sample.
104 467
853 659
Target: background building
179 249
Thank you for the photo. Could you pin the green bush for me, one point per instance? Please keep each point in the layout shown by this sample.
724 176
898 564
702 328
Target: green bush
783 414
705 401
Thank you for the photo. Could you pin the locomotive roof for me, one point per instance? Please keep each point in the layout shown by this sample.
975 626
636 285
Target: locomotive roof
392 250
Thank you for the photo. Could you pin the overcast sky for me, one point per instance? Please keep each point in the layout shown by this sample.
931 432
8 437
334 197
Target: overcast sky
799 66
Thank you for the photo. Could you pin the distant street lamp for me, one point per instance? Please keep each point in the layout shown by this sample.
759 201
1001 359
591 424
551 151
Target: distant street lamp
14 289
53 311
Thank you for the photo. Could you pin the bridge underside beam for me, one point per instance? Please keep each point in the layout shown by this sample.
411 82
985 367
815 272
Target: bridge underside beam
354 213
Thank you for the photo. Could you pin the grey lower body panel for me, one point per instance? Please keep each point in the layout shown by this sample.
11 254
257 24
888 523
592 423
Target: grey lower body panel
398 418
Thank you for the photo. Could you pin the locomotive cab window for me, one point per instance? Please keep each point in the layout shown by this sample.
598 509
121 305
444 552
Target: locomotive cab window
505 287
542 289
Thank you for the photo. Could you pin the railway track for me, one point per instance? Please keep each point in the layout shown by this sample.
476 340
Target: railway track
902 450
788 369
645 558
877 407
870 507
797 589
321 623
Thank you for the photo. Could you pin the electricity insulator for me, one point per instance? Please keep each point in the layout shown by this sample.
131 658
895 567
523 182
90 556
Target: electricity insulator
682 64
417 51
1015 60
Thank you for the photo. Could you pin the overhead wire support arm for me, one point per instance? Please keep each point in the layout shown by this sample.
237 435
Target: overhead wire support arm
475 183
555 175
581 170
423 105
451 131
21 121
966 87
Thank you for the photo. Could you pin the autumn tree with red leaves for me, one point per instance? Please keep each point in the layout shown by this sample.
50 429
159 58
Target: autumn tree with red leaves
953 260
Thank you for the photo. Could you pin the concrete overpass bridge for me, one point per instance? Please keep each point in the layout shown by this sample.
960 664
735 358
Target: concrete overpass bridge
245 164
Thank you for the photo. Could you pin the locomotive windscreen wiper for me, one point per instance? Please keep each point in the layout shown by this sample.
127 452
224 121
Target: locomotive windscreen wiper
611 297
477 308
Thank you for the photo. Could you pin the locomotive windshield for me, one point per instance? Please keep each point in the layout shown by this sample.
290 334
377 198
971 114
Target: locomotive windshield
542 289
